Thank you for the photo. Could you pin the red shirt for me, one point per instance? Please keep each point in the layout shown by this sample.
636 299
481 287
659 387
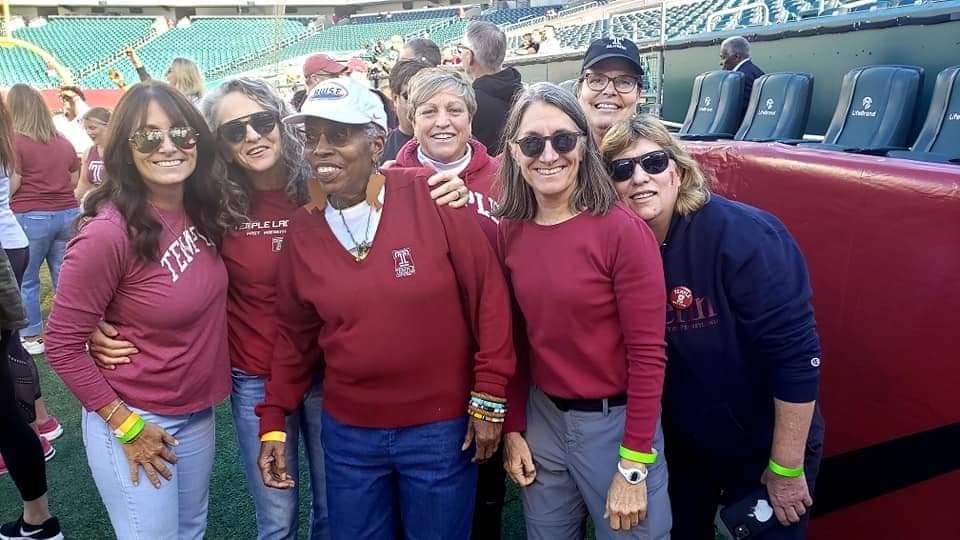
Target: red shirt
479 176
173 308
407 332
45 175
591 291
251 254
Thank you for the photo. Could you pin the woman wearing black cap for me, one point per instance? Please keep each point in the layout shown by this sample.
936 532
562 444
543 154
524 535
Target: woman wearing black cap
609 84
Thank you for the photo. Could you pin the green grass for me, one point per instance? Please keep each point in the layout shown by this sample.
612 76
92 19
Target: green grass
75 501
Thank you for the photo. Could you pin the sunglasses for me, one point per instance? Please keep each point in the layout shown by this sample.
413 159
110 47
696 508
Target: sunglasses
146 140
336 135
235 131
563 142
598 82
652 163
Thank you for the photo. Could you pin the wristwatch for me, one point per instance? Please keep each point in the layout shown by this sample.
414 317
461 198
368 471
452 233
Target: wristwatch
632 476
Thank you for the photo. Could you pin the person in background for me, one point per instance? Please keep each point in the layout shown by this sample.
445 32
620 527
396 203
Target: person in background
484 47
743 361
69 121
21 451
95 122
610 83
147 258
549 44
527 45
408 305
316 69
183 74
422 49
583 433
735 56
399 88
47 168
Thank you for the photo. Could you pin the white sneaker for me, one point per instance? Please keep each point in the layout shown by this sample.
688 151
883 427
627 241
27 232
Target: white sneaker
32 346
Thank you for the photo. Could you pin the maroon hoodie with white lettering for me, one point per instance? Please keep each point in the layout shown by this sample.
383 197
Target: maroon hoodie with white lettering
479 176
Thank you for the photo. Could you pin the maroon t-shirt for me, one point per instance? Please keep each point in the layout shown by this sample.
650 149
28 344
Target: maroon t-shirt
45 175
252 253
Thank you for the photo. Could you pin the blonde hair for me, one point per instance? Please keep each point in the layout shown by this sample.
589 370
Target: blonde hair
431 81
694 191
30 114
189 80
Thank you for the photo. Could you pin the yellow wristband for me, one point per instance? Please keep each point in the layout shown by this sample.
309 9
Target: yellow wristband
274 436
128 423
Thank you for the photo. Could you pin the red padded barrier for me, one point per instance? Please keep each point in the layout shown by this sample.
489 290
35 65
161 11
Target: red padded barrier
882 241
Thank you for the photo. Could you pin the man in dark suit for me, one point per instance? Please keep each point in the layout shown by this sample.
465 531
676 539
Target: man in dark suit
735 56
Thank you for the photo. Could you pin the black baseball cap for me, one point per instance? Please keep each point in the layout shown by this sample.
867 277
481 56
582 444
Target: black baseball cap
606 48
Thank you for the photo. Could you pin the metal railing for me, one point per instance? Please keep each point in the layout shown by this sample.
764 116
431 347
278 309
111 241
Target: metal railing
764 10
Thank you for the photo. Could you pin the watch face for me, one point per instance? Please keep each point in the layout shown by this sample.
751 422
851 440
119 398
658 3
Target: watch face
635 477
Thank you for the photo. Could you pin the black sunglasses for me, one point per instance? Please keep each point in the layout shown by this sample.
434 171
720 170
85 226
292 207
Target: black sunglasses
146 140
235 131
652 163
336 134
563 142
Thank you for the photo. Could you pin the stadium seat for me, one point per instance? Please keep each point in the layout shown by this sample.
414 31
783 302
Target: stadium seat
779 107
715 106
875 109
939 139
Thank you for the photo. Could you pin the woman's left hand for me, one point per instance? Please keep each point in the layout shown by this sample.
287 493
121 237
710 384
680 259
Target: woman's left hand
448 190
487 436
626 503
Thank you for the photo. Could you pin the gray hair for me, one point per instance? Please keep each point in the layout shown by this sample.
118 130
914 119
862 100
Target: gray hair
488 42
291 139
425 50
429 82
737 46
594 191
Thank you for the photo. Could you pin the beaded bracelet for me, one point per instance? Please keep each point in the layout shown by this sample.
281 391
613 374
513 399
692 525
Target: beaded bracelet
472 409
486 418
487 397
481 403
487 408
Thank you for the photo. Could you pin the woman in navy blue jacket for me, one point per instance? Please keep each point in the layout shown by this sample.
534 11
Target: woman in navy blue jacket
743 356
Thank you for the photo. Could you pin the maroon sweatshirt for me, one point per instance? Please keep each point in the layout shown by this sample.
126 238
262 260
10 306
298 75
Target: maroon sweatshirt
407 332
592 295
479 176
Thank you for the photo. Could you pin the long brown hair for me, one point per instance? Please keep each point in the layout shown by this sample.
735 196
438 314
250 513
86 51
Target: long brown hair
7 156
31 117
205 201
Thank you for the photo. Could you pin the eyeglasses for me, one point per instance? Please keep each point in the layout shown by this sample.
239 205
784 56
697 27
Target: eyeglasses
598 82
563 142
336 135
235 131
652 163
146 140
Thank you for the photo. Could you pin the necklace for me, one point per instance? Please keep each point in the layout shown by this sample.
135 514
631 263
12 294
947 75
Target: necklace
167 225
361 248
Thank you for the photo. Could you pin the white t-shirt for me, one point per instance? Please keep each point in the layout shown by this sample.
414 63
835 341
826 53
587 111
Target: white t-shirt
361 219
11 235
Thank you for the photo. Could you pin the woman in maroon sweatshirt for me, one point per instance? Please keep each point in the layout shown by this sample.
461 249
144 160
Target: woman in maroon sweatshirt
409 307
587 276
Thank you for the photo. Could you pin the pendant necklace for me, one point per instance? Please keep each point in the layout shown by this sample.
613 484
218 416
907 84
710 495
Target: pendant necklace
361 248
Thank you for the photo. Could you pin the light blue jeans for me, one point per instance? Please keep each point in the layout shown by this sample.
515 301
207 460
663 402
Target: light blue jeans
178 509
278 509
48 233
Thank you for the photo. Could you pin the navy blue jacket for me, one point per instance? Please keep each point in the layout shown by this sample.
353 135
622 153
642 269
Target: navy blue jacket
740 326
750 73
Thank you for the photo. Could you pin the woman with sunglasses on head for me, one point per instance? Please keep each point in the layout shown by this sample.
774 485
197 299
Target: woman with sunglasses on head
609 84
147 257
409 307
95 123
582 436
739 405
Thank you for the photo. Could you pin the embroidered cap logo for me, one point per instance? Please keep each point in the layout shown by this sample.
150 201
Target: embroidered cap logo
329 91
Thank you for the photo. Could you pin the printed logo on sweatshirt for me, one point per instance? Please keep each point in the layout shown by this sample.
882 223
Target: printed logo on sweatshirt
485 205
687 311
403 263
181 252
275 229
277 244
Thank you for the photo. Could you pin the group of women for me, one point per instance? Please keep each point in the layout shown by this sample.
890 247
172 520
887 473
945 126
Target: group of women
251 252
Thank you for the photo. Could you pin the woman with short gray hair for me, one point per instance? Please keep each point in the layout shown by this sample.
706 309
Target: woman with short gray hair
586 274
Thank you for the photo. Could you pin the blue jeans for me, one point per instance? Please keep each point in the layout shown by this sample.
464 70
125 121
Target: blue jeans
278 509
415 479
48 233
178 509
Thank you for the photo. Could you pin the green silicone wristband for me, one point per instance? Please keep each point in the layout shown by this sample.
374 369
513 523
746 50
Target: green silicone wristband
787 472
639 457
129 436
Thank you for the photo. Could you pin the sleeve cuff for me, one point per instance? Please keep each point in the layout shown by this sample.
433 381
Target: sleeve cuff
492 388
797 391
272 419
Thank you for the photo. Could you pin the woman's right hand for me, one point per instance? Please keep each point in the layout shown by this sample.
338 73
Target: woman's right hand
107 351
517 459
149 450
273 465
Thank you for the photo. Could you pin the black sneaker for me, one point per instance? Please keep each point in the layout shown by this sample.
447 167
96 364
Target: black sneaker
19 530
